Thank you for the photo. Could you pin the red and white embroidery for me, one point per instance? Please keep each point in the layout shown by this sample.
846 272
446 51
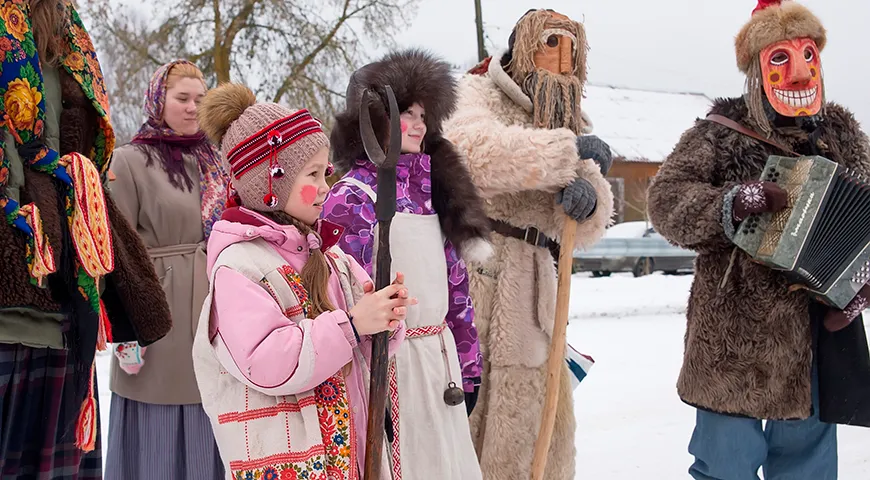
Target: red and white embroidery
395 452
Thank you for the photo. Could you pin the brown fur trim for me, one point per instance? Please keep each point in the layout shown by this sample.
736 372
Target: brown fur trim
135 302
454 196
774 24
415 76
78 118
17 291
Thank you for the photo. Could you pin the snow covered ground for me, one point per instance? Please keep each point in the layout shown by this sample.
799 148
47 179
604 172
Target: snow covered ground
630 422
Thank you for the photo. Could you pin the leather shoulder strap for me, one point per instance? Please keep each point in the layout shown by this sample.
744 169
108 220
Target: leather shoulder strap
727 122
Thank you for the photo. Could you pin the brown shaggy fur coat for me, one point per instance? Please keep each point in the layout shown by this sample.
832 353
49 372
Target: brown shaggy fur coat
749 340
518 169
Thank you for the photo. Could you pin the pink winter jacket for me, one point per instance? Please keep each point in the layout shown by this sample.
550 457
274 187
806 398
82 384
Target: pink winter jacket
268 349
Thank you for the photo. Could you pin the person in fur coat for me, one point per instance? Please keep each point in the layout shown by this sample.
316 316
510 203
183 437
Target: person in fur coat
439 222
754 347
518 125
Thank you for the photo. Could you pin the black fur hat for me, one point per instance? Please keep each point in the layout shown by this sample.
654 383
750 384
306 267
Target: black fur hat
415 76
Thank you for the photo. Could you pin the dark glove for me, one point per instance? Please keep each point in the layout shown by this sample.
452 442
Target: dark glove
471 397
758 197
578 199
840 319
590 146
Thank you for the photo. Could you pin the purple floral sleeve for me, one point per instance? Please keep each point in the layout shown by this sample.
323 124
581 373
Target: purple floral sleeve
460 319
349 207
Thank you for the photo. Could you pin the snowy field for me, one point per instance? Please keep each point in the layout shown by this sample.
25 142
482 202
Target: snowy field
630 422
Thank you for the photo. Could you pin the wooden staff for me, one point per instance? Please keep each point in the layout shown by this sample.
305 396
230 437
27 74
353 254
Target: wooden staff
385 210
557 351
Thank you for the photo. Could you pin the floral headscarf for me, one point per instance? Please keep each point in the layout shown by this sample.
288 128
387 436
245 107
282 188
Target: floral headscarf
170 145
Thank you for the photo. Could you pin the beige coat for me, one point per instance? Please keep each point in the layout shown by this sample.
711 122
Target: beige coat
518 170
170 224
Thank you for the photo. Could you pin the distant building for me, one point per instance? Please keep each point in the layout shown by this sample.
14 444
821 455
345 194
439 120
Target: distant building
642 127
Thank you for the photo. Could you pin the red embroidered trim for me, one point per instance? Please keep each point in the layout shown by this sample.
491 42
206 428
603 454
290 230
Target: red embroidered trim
258 413
418 332
394 414
292 457
287 424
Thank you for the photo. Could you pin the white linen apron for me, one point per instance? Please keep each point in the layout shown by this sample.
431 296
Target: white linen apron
432 439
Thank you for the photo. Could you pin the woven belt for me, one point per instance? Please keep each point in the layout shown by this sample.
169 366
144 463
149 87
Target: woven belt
530 235
426 331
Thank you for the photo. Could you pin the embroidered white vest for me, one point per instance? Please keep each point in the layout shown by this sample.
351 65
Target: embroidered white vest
265 434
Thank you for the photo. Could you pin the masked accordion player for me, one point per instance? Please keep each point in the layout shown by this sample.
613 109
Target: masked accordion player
821 240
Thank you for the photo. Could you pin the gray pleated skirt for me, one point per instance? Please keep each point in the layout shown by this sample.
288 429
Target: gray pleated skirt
160 442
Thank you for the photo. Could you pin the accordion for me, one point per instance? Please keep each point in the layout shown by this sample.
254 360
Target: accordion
821 240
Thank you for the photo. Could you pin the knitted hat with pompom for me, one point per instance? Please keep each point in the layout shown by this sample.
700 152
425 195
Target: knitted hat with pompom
263 145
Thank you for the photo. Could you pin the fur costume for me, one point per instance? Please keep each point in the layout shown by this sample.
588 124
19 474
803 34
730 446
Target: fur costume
749 340
749 345
518 169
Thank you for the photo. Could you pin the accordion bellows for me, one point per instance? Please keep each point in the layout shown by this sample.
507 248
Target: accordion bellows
821 240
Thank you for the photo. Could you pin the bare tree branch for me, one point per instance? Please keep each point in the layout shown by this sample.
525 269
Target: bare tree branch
297 52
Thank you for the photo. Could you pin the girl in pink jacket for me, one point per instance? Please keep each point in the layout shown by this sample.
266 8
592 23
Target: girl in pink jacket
281 350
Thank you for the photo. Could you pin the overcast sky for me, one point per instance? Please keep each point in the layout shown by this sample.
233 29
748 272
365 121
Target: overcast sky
670 45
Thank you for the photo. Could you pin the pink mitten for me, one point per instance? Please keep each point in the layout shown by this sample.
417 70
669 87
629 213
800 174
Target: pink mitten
130 356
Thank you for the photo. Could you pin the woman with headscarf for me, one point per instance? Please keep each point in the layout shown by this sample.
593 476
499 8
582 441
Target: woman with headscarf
171 186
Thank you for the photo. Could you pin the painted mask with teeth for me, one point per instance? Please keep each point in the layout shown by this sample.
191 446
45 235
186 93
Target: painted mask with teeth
792 75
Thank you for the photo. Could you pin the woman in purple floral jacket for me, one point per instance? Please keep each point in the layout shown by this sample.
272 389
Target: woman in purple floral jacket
440 221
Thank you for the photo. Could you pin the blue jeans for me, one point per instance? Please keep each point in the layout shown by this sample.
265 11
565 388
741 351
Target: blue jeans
734 448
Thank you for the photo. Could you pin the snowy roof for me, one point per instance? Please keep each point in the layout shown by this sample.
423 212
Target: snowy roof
642 125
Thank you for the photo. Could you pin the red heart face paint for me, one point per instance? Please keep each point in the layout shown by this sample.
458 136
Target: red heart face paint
792 74
309 194
404 126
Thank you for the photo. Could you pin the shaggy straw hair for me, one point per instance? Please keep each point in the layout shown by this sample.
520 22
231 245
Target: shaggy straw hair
555 97
221 107
529 30
555 100
755 97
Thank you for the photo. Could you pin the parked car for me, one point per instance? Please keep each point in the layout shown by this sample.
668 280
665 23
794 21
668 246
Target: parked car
633 247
